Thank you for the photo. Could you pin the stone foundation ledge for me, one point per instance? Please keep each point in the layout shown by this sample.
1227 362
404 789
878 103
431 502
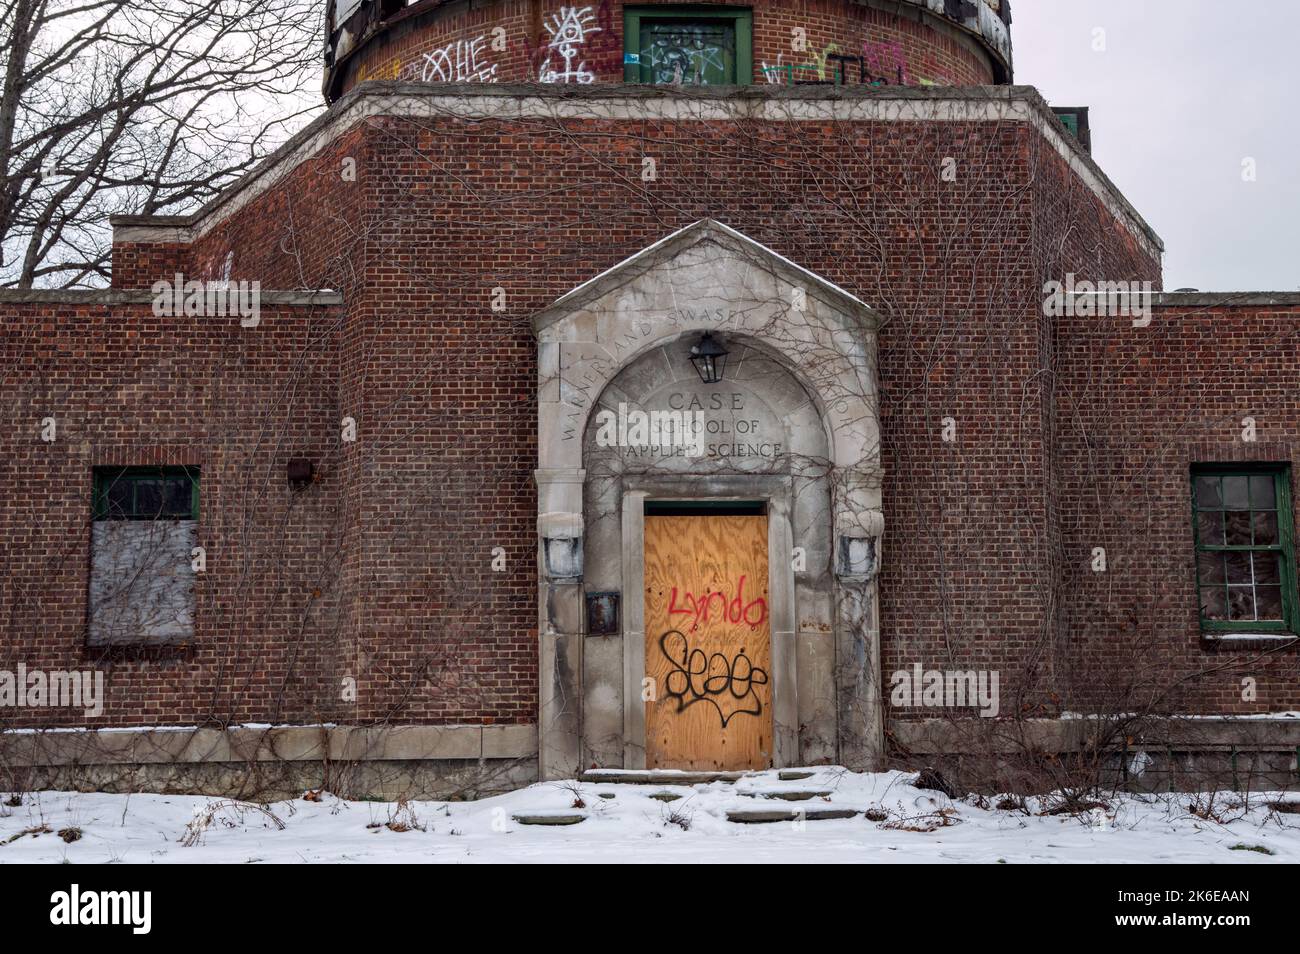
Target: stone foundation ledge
289 743
1195 734
1202 733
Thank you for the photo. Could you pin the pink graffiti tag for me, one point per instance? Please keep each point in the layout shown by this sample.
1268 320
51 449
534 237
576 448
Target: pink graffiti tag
736 610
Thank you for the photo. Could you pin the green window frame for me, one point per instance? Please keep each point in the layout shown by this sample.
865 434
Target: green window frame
638 21
146 493
1245 559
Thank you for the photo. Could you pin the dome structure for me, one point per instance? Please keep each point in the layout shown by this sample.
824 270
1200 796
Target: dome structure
824 42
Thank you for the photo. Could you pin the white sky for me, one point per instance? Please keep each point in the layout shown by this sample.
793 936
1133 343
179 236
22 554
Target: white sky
1184 91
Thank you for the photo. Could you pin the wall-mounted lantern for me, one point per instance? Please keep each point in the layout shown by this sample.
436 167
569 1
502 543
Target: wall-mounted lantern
709 358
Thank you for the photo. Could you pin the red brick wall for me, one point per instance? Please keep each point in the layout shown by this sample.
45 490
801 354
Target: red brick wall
1138 407
985 534
139 264
310 231
442 387
859 204
891 43
1074 232
128 388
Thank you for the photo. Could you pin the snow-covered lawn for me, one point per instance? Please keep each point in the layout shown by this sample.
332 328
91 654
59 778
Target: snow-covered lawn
624 823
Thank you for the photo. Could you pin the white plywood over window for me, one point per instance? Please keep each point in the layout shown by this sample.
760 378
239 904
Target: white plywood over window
141 582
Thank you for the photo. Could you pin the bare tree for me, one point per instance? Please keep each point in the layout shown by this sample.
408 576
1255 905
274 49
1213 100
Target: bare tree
135 106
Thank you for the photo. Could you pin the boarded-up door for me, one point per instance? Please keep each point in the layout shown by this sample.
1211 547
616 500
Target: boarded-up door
708 643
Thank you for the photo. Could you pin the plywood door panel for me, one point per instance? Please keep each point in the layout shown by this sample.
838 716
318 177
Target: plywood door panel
708 643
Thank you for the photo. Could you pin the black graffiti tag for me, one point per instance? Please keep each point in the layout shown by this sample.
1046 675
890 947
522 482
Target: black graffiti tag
726 684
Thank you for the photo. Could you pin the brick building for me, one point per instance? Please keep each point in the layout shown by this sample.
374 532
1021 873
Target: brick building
650 386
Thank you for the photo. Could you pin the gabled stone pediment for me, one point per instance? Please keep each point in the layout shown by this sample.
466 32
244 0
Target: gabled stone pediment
673 247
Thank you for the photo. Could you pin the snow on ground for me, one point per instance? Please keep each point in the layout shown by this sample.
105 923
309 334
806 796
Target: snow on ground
902 824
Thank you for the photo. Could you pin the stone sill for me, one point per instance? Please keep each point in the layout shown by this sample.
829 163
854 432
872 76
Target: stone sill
106 654
1227 642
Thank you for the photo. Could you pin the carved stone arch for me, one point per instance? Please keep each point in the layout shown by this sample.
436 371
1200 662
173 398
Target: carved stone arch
708 277
644 312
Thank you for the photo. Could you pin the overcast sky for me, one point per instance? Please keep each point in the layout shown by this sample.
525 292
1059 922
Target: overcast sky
1183 92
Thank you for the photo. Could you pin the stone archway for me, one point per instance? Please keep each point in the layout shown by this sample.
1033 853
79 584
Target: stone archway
628 328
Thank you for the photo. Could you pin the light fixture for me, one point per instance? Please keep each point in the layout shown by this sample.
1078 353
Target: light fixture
709 358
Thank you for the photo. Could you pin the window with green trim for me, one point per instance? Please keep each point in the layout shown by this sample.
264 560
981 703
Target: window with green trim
688 45
143 555
1245 565
147 493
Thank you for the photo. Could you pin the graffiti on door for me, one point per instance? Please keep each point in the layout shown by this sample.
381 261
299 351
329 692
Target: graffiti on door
725 683
708 642
698 606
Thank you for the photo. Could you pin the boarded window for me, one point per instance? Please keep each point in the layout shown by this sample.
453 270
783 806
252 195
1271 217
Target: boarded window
142 538
687 45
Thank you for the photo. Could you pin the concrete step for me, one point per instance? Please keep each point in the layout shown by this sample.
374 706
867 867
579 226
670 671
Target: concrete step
658 777
791 796
550 818
794 775
769 815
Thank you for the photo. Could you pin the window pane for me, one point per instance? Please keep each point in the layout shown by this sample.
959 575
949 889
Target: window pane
148 498
1210 529
1237 527
1207 493
1236 493
1241 603
1268 568
1265 528
1213 603
179 500
1268 602
1238 567
117 500
1211 567
1243 546
1262 492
